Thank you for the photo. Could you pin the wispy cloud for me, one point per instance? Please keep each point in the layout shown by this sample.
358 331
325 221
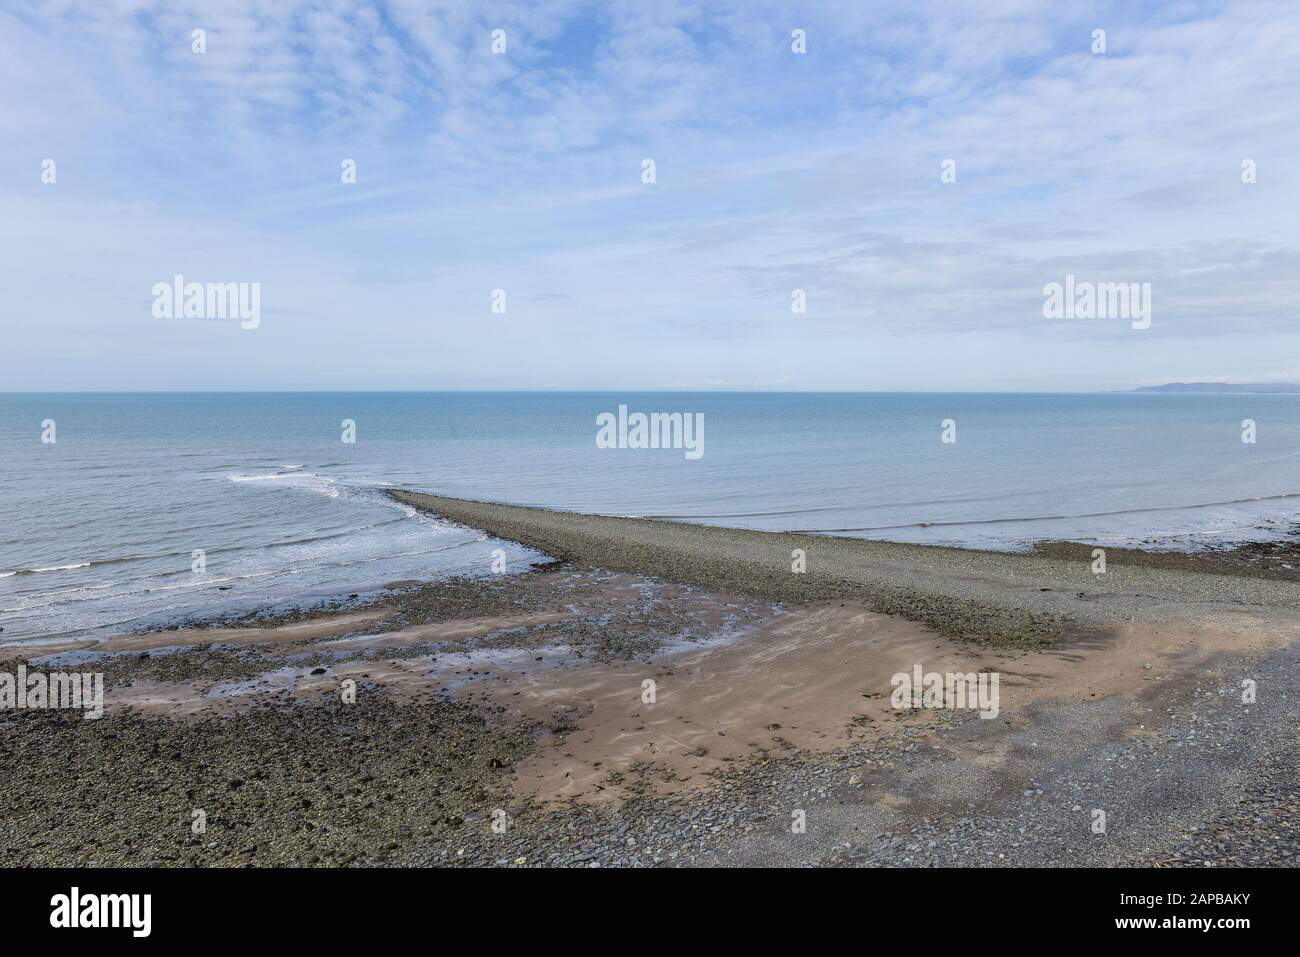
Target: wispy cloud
775 171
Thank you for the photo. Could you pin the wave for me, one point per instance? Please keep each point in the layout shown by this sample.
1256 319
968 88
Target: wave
783 511
47 568
1049 518
952 500
94 593
97 593
157 580
209 552
322 484
407 513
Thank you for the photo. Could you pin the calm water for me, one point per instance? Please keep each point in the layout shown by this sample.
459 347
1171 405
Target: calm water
100 526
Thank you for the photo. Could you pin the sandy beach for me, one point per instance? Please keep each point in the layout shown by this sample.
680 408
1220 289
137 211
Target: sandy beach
674 694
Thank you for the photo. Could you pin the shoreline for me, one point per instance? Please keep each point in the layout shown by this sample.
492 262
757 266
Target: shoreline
522 695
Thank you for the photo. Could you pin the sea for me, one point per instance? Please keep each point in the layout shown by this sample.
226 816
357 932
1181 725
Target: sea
130 510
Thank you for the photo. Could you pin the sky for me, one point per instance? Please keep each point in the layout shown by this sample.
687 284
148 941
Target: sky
523 171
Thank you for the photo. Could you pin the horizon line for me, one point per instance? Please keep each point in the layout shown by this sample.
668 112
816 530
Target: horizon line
605 391
610 391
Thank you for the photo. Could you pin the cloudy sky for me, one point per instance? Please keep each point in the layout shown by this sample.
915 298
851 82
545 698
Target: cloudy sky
522 171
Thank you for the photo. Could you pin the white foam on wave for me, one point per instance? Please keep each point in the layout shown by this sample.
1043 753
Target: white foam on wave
411 544
310 481
114 589
46 568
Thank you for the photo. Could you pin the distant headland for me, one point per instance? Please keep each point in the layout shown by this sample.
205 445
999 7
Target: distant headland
1251 388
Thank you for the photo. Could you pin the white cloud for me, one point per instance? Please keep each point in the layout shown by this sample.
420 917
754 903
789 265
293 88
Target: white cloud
776 171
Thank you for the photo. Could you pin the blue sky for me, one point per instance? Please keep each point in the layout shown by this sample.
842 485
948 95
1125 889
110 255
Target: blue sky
521 171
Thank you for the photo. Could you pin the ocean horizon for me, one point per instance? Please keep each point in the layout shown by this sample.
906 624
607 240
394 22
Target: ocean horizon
109 519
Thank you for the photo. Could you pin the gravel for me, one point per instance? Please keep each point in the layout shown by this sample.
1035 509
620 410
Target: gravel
1011 599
